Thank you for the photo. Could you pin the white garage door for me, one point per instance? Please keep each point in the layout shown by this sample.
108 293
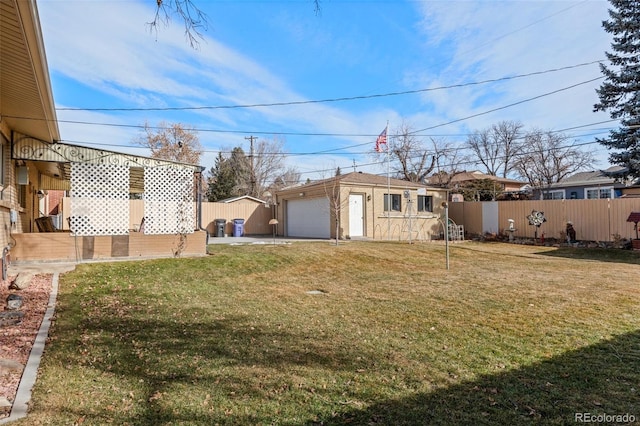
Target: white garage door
308 218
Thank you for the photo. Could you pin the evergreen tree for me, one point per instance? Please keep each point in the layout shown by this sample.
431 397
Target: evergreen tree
241 168
481 190
620 92
221 181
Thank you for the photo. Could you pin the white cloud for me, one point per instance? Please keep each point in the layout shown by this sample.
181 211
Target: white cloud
493 39
108 51
115 55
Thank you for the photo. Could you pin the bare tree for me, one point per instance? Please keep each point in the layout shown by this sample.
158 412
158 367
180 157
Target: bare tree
336 202
194 19
449 163
549 158
497 146
268 165
173 142
261 171
291 176
413 161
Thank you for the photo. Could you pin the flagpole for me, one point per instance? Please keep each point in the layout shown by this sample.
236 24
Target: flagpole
388 183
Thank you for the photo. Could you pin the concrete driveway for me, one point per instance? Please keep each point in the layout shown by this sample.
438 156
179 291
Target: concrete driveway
259 239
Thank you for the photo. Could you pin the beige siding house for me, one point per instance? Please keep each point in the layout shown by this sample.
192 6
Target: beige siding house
26 107
33 162
361 205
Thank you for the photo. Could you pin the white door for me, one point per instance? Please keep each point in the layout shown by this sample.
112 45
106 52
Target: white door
356 215
308 218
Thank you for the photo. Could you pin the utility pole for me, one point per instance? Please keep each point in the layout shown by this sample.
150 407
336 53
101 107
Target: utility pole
252 184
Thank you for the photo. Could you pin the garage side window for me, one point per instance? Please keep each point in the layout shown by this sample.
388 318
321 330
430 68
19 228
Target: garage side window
395 202
425 203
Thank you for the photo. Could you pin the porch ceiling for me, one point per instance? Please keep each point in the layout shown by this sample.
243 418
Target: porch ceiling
54 160
61 172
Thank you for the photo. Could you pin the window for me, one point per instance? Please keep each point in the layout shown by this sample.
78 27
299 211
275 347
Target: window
22 196
395 202
2 145
595 193
425 203
553 195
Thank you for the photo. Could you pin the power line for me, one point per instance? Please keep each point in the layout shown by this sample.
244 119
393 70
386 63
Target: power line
343 148
339 99
374 163
327 134
509 105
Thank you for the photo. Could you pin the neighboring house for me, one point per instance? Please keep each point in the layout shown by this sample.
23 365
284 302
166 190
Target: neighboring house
465 180
586 185
34 162
361 205
51 203
242 198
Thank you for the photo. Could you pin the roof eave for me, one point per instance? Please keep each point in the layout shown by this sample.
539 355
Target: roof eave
42 124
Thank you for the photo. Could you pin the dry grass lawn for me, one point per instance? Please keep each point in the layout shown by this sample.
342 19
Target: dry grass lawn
509 335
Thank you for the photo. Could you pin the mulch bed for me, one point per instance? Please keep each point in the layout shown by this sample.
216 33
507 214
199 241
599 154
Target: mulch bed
17 340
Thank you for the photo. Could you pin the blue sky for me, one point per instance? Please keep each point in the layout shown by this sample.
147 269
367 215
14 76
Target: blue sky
101 55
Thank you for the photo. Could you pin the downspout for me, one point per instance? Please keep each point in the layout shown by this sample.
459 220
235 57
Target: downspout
11 157
199 208
6 259
5 262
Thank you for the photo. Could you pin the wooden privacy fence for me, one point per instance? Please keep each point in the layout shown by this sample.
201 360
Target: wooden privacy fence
593 220
256 216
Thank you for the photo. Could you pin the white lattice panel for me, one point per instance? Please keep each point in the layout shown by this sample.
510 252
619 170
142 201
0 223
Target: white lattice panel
168 201
99 199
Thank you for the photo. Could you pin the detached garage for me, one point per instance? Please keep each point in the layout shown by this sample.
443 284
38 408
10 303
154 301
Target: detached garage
308 218
363 206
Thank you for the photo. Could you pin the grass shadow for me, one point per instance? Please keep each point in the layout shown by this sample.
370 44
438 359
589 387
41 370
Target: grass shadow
601 379
597 254
172 353
229 341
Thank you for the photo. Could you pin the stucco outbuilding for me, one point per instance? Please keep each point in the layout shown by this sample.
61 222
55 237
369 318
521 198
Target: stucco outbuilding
361 205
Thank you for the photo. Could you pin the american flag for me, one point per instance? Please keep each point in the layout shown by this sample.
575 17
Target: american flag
382 140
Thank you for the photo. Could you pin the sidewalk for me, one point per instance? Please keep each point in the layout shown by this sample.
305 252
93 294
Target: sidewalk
41 268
